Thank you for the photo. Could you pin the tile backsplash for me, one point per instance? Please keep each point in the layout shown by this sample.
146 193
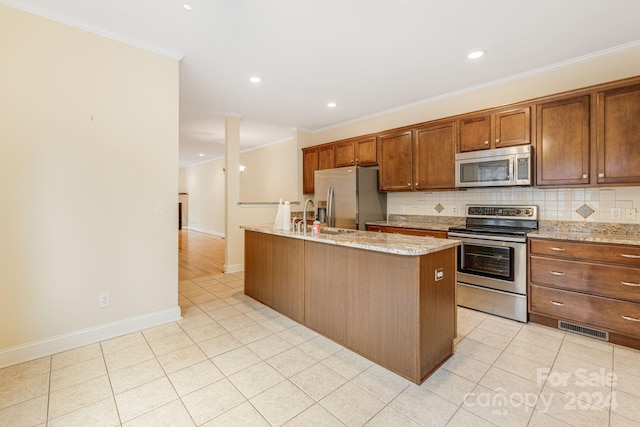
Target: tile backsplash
613 205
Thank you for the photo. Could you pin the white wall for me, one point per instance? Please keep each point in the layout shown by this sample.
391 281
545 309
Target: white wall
554 204
205 185
88 159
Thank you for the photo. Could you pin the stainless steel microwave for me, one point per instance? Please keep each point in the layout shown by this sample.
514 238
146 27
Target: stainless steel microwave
500 167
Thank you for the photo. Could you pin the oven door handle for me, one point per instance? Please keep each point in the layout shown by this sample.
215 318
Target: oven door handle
487 237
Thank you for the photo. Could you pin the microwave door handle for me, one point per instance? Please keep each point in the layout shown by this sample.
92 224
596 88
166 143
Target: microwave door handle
512 175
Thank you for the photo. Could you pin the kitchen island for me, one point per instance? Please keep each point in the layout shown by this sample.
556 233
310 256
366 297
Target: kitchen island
387 297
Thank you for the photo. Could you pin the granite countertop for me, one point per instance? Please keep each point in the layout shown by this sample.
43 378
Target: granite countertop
420 222
380 242
623 234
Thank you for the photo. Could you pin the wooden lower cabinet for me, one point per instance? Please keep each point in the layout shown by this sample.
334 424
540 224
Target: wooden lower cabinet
589 284
274 268
408 231
386 307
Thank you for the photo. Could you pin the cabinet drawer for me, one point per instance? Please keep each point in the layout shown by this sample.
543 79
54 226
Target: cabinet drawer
605 313
619 254
606 280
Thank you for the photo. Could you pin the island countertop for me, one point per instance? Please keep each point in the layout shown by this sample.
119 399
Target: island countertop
380 242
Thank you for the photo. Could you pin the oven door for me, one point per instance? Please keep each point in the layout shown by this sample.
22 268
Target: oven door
493 264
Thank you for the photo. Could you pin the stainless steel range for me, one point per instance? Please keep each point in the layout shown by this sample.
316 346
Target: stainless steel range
492 260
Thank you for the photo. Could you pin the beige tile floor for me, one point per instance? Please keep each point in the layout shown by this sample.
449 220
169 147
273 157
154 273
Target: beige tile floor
233 362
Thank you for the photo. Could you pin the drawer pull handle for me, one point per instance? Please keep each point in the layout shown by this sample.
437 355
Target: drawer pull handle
559 304
631 319
629 283
630 256
557 273
553 248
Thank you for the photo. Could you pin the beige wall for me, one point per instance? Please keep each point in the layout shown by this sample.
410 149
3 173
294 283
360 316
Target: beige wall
589 71
88 160
271 173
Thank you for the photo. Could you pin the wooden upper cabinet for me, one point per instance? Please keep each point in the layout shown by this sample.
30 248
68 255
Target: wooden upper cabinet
513 127
618 136
356 152
475 133
313 159
562 142
495 130
345 153
433 156
326 157
310 163
395 161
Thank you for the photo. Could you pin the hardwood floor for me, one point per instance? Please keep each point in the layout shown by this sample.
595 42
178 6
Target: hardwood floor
199 255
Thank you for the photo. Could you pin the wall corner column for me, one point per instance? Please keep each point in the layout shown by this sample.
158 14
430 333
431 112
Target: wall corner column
234 251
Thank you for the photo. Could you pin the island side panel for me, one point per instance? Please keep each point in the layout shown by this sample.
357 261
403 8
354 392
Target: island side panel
367 301
274 272
437 309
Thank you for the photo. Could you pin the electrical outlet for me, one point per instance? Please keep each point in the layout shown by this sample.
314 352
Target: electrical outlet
616 213
630 214
454 209
103 300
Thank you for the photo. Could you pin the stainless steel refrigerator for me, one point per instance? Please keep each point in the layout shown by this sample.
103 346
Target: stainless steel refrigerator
349 197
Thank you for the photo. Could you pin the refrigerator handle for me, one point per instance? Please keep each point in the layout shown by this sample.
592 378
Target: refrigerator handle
330 207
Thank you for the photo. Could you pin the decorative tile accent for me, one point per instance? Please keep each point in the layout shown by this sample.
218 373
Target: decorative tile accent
585 211
439 208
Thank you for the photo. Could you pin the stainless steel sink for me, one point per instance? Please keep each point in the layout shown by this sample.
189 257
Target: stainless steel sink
335 231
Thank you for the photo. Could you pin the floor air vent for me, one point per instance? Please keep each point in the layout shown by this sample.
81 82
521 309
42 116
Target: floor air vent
583 330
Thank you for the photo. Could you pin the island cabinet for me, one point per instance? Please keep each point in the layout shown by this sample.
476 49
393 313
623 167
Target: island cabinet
593 288
495 130
274 272
618 136
563 141
390 308
388 298
360 152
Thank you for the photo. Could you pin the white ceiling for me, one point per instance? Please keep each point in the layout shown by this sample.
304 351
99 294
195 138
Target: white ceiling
367 55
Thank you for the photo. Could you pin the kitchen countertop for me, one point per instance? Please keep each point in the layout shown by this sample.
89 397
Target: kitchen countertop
597 232
420 222
380 242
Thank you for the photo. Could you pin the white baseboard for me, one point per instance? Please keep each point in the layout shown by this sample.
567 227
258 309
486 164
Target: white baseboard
48 346
205 231
233 268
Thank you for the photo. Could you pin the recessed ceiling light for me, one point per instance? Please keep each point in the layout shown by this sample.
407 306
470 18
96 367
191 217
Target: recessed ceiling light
187 6
255 79
332 105
201 154
477 54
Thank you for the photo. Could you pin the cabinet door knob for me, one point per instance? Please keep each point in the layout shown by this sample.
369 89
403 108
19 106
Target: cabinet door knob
585 176
559 304
557 273
630 283
486 143
416 184
630 256
553 248
631 319
356 160
497 140
600 175
409 185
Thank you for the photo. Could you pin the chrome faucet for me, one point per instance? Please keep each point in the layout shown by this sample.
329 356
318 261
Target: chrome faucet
304 214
